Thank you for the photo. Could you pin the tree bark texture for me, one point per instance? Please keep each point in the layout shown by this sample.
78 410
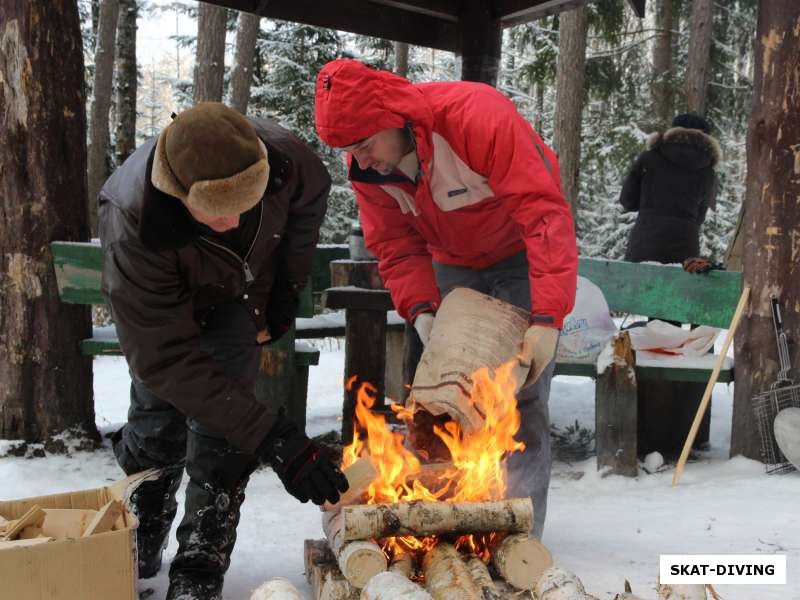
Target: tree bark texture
242 74
102 88
401 58
570 76
698 67
420 518
771 244
447 576
359 560
662 64
210 60
125 138
45 383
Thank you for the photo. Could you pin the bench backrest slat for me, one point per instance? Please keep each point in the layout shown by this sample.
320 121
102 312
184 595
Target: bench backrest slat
666 291
653 290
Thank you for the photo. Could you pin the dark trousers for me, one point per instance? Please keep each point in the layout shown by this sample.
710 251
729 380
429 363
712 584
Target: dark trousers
157 435
529 470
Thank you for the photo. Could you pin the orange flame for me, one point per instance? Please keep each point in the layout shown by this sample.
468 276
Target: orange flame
478 458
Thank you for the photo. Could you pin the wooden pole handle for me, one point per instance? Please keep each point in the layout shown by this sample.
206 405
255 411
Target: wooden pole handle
701 410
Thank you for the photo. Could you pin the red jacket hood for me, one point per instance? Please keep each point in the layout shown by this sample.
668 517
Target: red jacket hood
353 102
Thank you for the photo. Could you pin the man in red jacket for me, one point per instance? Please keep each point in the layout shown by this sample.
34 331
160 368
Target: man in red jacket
455 189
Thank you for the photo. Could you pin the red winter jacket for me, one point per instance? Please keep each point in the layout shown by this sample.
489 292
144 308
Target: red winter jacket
488 186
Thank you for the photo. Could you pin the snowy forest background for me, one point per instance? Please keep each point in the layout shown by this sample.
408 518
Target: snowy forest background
620 87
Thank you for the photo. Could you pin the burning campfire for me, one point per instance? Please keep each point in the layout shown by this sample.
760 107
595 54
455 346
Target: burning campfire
445 525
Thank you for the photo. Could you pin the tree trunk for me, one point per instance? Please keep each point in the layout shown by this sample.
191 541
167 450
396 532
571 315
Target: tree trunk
771 254
210 61
242 74
45 383
401 58
570 75
698 67
98 120
662 64
125 138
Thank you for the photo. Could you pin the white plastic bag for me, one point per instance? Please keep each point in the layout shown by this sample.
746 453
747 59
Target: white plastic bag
588 328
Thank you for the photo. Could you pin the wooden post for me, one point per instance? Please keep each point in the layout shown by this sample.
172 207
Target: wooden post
364 357
616 410
481 41
365 344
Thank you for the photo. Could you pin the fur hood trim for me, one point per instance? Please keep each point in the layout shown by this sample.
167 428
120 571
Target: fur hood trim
690 137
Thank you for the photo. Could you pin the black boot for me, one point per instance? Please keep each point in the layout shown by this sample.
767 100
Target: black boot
153 503
218 475
205 541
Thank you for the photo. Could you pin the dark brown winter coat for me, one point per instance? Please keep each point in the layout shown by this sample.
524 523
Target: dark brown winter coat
161 274
672 185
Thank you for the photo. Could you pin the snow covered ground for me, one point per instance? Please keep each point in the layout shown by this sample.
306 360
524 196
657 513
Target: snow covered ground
604 529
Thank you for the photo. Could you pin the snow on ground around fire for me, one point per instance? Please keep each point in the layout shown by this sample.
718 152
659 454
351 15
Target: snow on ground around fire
605 529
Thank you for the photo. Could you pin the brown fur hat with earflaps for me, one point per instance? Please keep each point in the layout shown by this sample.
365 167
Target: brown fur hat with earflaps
211 158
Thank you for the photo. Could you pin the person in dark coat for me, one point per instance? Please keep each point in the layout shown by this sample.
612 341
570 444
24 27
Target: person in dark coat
671 185
208 234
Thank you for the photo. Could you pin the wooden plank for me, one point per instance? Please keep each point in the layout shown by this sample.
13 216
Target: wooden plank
358 299
665 291
386 21
78 267
616 412
105 518
358 273
515 12
323 255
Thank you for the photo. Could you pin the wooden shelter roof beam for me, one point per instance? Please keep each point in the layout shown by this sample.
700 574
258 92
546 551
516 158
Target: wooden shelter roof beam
447 10
411 21
514 12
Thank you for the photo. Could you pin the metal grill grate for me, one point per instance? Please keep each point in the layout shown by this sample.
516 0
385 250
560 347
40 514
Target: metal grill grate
766 406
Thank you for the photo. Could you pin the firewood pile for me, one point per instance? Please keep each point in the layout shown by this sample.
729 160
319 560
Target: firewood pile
359 554
353 554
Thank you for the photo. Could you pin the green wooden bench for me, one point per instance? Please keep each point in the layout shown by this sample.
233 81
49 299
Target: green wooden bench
78 267
642 289
658 413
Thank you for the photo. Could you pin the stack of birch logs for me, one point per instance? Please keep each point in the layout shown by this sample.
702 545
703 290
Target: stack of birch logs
350 563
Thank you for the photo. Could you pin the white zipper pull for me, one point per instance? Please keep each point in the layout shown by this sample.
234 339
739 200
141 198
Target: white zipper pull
248 274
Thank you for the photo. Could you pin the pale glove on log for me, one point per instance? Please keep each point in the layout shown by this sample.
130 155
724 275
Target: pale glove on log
538 349
423 324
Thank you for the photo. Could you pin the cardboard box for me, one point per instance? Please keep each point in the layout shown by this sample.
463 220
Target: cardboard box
98 567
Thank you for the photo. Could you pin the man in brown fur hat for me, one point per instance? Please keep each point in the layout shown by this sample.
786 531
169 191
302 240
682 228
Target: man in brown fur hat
208 234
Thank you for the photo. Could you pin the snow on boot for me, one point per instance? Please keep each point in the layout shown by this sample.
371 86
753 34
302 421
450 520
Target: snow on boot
194 585
153 503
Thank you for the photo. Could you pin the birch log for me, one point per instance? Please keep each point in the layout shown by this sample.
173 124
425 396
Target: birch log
559 584
359 560
316 552
677 591
328 583
359 475
446 575
393 585
480 575
276 589
419 518
521 560
403 565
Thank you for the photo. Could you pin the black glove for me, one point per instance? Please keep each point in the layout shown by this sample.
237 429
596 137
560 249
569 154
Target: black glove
282 307
301 466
